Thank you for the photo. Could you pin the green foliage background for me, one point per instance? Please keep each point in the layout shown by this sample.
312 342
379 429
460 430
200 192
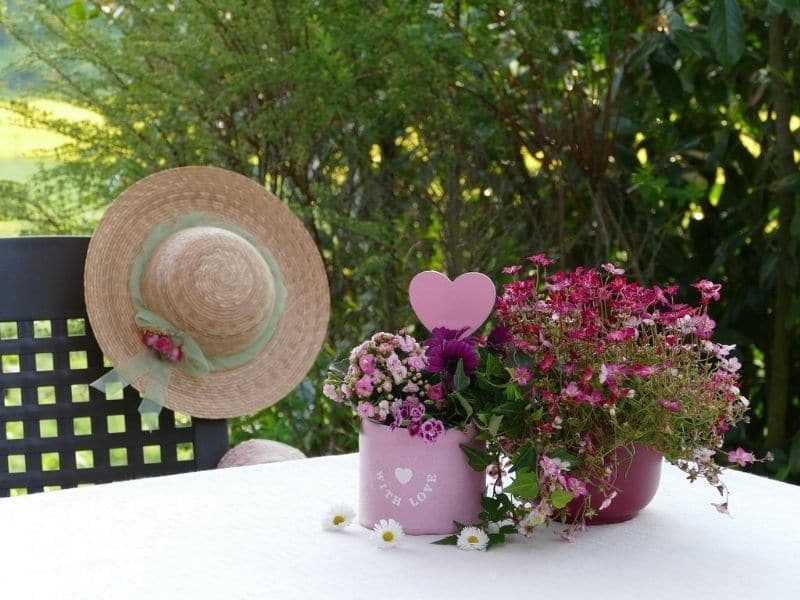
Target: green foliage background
452 135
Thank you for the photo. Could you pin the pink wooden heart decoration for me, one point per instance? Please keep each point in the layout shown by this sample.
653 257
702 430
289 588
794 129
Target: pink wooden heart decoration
461 304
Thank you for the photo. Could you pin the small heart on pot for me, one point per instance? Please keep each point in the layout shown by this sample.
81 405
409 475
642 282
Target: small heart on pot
461 304
403 475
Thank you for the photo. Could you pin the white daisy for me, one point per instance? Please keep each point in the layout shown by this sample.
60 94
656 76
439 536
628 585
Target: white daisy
472 538
338 517
387 533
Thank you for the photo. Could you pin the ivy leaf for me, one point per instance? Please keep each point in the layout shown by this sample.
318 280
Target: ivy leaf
461 379
526 485
526 458
726 32
450 540
494 424
465 404
477 459
560 498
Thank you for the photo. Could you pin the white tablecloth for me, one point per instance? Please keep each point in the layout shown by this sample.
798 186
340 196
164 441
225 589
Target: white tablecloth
254 532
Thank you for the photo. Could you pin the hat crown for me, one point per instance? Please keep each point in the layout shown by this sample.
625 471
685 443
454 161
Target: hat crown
212 284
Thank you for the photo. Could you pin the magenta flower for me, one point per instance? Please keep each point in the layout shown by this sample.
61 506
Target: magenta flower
445 350
521 375
670 405
741 457
512 269
431 430
612 269
364 387
626 333
708 290
541 259
365 410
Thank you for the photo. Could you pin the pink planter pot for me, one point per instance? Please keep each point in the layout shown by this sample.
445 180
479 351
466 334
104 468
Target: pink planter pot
636 482
424 487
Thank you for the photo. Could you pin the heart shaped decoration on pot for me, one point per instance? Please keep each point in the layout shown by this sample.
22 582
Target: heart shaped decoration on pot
403 475
463 304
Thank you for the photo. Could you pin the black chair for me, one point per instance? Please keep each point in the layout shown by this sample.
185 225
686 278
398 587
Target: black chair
56 431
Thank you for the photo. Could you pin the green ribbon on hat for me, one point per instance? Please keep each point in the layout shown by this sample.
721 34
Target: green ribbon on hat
194 362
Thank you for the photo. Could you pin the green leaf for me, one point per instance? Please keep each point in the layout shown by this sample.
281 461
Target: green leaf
461 380
667 83
526 485
450 540
513 393
477 459
494 424
495 539
691 41
76 11
465 404
792 8
493 366
526 458
726 32
560 498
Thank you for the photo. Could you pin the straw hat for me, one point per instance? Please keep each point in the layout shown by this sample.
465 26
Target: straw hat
218 265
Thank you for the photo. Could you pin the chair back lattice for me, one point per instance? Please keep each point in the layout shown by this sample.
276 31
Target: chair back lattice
56 431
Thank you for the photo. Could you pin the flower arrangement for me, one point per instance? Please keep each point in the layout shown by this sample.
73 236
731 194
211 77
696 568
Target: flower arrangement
397 381
589 362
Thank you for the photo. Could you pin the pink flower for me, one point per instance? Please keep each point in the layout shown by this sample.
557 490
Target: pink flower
708 290
330 391
512 269
642 370
572 390
383 409
612 269
546 363
541 259
417 363
406 343
741 457
175 354
577 487
521 375
364 387
431 430
435 392
365 410
670 405
163 345
149 338
722 507
621 335
367 363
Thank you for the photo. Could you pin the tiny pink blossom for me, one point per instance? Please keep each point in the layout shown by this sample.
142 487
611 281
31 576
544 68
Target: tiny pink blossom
175 354
722 507
670 405
521 375
417 363
626 333
367 363
149 338
541 259
612 269
741 457
435 392
331 392
163 345
708 290
572 390
512 269
365 410
364 387
406 343
642 370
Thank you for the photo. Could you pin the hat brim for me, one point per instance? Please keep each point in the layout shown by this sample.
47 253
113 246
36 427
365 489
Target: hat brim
228 197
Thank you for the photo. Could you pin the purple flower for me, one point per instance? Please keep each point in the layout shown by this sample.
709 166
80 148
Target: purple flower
431 430
445 350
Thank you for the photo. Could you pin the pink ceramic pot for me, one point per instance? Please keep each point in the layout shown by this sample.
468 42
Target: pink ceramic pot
636 482
424 487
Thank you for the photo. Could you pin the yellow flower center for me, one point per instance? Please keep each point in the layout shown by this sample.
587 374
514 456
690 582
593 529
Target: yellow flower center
473 539
387 536
338 520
